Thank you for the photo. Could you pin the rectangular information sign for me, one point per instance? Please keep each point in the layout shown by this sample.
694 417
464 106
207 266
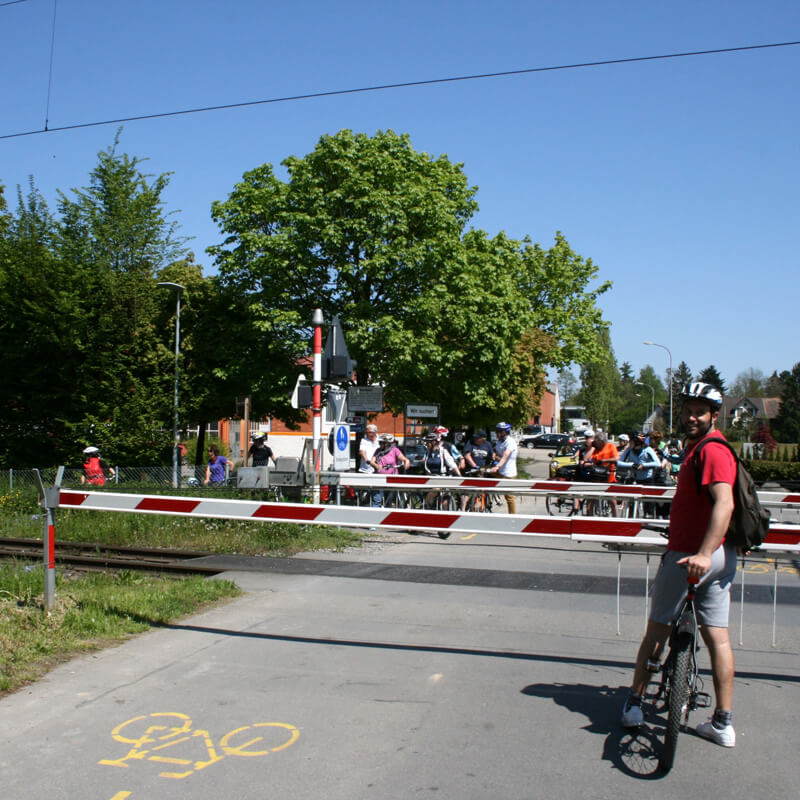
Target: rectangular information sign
422 410
365 398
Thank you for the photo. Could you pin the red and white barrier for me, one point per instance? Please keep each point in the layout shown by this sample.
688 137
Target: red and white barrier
599 529
628 491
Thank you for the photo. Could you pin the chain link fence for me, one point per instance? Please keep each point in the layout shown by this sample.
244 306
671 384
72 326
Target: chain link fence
144 477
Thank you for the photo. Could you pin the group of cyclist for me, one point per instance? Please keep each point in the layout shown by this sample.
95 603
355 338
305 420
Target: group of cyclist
479 456
641 458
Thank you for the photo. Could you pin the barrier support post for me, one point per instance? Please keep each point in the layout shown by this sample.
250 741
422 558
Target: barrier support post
49 498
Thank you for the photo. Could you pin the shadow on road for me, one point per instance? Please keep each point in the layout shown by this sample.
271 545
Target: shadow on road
634 752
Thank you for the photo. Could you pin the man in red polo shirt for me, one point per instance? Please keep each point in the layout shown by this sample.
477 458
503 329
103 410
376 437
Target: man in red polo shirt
696 548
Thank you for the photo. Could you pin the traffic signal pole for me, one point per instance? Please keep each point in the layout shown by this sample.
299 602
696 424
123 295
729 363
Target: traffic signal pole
317 321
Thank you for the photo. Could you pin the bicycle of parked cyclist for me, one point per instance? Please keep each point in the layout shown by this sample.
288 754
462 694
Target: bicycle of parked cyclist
562 505
595 505
480 500
438 461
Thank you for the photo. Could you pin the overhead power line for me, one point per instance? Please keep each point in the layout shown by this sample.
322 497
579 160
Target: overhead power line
402 85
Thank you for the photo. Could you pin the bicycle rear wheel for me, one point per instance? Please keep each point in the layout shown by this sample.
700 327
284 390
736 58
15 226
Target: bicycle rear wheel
677 699
558 505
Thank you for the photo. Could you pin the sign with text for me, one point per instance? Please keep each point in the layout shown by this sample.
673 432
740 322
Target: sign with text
365 398
422 410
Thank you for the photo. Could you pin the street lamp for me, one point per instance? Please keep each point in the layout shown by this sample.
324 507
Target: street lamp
652 398
175 440
664 347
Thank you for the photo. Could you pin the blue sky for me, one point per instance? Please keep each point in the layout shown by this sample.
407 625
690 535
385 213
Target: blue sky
678 178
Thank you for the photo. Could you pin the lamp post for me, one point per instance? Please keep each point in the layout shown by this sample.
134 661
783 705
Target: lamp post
175 441
664 347
652 396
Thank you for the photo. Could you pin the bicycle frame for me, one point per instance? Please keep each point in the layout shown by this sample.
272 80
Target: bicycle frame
680 689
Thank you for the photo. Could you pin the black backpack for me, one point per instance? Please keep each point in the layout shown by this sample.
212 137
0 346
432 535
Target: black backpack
750 521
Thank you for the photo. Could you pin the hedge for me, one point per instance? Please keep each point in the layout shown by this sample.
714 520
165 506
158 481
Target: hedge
779 471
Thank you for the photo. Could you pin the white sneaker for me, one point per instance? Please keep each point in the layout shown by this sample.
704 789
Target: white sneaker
723 736
632 716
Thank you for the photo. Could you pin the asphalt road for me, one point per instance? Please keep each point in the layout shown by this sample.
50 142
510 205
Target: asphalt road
413 667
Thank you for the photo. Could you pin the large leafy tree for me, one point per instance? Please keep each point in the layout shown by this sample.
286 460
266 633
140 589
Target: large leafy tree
375 231
365 227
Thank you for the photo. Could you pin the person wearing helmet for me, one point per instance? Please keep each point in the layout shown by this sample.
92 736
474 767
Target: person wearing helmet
478 455
95 468
696 548
388 459
260 451
506 453
640 459
443 432
438 461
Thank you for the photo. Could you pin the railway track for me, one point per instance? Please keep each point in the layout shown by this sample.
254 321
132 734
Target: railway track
91 556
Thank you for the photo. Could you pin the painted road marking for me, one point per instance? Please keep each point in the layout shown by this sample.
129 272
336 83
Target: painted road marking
154 735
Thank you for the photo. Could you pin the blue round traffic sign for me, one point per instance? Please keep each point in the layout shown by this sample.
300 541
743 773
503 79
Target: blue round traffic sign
342 439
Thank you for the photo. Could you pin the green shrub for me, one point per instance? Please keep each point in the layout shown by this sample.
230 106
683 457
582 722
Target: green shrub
763 471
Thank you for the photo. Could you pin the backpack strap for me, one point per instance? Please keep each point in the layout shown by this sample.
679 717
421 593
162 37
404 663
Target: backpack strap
696 458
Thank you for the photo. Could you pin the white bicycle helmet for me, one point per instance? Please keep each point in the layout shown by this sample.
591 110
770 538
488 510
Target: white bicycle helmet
702 391
90 451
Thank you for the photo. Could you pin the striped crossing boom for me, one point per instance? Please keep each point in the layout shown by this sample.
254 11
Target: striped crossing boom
600 529
515 486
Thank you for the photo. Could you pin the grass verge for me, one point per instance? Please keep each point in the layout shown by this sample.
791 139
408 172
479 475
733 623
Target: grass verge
96 610
92 612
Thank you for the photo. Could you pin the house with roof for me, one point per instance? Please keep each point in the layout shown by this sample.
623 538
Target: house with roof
736 410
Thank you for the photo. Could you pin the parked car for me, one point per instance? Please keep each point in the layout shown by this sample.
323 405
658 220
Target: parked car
532 430
551 441
563 456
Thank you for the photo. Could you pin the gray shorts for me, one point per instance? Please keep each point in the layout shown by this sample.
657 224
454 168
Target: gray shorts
713 596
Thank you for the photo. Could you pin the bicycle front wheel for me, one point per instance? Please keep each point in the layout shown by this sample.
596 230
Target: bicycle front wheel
677 699
558 505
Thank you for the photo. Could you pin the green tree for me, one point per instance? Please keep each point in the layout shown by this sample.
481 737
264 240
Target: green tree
86 357
787 424
116 236
558 285
749 383
600 384
773 386
711 375
40 335
567 383
681 376
373 230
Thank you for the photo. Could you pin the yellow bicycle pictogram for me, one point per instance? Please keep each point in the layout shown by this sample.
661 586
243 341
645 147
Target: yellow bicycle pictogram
769 565
169 737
